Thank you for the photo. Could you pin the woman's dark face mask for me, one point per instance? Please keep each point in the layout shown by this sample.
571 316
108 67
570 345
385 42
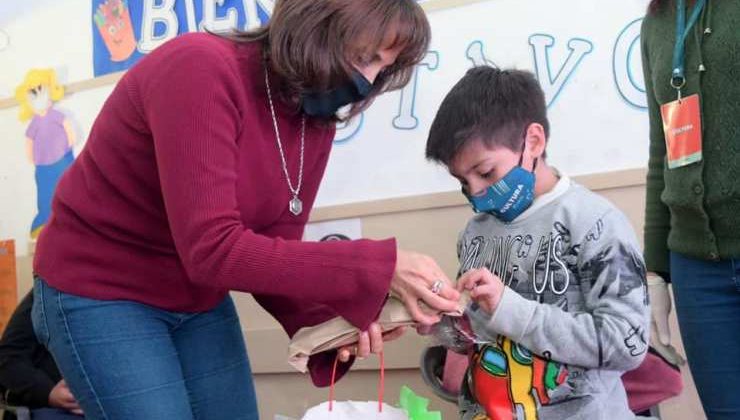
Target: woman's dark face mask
326 104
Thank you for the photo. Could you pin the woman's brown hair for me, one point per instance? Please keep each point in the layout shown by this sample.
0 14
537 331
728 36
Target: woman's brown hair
656 5
312 44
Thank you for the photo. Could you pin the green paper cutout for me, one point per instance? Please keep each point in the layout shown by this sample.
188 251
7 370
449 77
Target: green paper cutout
416 407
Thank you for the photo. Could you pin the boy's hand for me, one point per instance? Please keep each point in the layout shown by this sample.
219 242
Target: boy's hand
485 288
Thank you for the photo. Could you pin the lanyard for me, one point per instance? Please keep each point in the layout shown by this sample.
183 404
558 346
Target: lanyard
682 31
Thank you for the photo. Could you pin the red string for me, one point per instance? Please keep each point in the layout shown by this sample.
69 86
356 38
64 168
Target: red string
331 386
381 385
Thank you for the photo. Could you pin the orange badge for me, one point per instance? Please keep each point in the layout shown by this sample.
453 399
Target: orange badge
682 129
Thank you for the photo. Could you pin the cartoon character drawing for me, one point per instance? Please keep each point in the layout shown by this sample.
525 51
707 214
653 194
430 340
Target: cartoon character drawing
620 265
510 383
490 376
114 24
49 137
636 342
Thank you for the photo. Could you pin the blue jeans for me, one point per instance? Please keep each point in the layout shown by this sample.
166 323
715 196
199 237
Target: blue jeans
126 360
708 307
53 414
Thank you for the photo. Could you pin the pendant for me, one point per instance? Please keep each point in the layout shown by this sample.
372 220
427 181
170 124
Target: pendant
295 206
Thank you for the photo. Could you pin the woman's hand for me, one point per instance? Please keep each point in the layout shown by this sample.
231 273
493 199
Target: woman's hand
486 288
371 341
418 278
61 397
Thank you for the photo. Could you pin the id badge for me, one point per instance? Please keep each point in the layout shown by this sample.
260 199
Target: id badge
682 129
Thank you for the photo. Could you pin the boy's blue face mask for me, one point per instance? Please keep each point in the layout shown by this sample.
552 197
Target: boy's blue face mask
509 197
326 104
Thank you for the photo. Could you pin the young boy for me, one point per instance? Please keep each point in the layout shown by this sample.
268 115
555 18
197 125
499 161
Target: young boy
554 271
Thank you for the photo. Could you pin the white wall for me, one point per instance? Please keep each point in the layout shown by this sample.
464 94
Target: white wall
583 51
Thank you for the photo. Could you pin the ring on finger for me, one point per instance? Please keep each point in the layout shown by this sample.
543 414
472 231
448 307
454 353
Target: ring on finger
437 286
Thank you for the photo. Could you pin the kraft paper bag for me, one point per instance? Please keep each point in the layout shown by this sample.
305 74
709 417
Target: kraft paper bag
337 332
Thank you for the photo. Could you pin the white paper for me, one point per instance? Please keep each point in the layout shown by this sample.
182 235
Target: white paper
354 410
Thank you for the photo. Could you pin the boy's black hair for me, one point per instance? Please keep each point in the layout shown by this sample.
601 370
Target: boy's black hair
490 104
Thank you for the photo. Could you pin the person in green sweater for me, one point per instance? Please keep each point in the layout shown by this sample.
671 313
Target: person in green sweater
691 63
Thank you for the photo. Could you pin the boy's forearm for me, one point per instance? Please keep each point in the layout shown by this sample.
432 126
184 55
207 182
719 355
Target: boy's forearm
581 339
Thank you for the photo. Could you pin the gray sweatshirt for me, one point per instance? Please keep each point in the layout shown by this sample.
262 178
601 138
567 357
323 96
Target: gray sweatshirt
574 315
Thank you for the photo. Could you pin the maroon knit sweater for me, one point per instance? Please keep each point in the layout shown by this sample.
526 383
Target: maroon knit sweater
179 196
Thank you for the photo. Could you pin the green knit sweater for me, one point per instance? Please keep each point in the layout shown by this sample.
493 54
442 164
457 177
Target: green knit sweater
695 210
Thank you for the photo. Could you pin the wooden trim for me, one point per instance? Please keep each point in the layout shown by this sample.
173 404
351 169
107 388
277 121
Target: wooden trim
596 182
614 179
108 79
112 78
8 103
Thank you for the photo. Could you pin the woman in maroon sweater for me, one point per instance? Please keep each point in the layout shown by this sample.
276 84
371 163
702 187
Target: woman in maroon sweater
197 179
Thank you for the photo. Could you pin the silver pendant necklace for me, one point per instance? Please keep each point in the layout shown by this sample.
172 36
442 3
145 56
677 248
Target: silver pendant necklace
295 205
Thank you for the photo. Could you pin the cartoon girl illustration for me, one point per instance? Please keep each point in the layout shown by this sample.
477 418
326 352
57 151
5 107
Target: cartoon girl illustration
49 137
